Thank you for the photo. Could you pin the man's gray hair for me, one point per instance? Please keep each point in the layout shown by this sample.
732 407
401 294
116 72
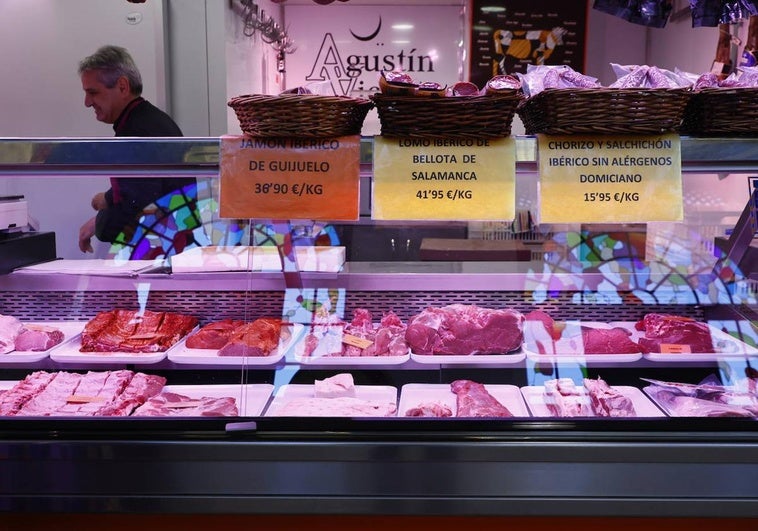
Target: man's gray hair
111 62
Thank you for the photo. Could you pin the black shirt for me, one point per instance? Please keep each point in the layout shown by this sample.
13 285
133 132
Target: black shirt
128 196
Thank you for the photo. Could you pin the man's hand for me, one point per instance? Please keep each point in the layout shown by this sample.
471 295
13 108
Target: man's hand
86 232
99 202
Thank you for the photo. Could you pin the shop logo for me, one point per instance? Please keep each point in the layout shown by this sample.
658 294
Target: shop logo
359 72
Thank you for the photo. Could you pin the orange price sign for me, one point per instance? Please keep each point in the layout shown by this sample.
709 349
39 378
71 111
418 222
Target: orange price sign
290 178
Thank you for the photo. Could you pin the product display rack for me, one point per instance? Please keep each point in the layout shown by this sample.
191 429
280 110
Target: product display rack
265 465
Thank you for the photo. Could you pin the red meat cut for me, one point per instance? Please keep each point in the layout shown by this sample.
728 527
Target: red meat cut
213 335
662 329
460 329
259 338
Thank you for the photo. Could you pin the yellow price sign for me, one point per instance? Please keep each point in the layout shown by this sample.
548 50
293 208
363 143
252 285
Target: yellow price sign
610 179
444 179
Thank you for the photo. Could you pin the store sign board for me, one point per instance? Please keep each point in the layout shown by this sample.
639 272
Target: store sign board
610 179
341 48
444 179
289 178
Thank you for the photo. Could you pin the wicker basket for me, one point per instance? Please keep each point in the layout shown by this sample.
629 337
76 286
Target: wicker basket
722 112
604 111
300 115
487 116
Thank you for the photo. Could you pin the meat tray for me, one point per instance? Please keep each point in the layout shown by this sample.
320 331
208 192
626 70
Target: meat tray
569 348
412 395
181 354
70 329
251 398
728 347
286 393
473 359
69 353
642 405
343 360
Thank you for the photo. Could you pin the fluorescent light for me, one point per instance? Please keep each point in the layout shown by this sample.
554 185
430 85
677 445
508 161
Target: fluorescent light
402 27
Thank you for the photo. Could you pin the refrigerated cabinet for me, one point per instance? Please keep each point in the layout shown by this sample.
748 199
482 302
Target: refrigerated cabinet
525 466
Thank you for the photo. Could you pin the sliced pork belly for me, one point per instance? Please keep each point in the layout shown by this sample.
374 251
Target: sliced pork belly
18 395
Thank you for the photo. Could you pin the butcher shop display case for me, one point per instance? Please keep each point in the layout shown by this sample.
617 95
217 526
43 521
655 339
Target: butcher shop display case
379 367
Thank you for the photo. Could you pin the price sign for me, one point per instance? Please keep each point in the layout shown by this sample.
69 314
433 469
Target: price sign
610 179
444 179
290 178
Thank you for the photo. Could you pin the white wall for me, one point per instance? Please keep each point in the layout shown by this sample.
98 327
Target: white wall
41 94
44 40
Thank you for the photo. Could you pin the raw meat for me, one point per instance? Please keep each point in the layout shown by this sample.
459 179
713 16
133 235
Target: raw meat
473 400
176 405
259 338
608 341
606 401
38 338
53 397
139 389
564 399
329 340
95 389
18 395
429 409
460 329
9 329
711 390
689 406
661 329
132 331
549 328
213 335
345 406
335 386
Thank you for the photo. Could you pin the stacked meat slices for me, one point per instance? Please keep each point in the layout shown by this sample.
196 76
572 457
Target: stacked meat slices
109 393
237 338
132 331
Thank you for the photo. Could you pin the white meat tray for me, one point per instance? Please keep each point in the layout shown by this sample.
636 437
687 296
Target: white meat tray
413 395
728 347
286 393
70 353
250 398
643 407
473 359
70 329
181 354
569 348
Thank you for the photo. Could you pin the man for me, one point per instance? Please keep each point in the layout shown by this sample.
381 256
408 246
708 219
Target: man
113 87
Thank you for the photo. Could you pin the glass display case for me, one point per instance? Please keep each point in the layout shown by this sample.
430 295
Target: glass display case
673 433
